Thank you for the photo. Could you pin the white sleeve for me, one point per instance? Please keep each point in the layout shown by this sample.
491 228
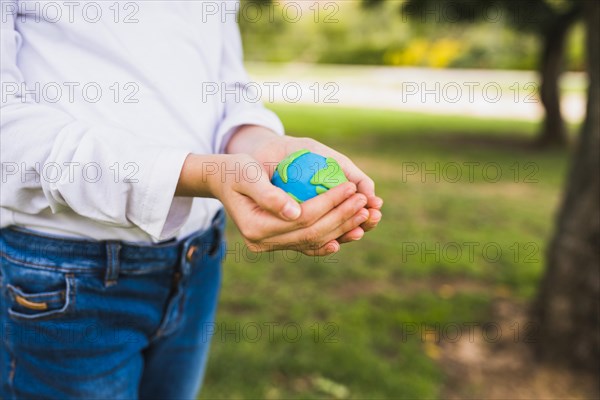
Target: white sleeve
243 110
42 145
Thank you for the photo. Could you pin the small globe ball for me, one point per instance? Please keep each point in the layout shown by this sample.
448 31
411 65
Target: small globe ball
304 175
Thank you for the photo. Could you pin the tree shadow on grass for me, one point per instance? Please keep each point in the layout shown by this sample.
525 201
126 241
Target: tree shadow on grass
503 143
499 363
509 143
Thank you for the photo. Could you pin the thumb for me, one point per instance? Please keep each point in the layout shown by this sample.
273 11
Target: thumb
271 198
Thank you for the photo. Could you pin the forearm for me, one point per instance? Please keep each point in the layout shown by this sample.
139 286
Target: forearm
248 139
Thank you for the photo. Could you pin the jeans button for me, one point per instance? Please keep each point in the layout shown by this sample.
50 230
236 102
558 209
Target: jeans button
190 253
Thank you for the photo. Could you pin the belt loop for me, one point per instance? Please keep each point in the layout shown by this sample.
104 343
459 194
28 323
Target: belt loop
112 263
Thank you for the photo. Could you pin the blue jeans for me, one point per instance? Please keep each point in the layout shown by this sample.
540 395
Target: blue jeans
106 320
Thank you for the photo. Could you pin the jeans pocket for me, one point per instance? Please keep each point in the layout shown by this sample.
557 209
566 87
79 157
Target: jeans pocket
40 305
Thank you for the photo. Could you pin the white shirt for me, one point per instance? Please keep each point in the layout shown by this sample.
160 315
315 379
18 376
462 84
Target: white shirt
101 103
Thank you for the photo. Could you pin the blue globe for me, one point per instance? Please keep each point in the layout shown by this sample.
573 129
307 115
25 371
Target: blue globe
304 175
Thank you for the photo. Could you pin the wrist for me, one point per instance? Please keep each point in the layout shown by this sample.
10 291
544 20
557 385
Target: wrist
200 176
218 170
249 139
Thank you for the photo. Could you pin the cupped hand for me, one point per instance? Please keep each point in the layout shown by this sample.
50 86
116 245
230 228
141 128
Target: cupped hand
274 149
269 219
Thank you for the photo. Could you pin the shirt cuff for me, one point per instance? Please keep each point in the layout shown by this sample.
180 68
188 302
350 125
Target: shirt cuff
252 116
163 214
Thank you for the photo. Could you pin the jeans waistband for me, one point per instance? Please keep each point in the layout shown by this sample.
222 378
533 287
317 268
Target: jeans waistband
78 255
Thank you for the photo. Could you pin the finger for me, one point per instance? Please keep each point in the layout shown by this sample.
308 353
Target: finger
343 218
364 184
271 198
319 206
352 236
324 229
376 203
316 208
328 249
352 224
374 219
267 227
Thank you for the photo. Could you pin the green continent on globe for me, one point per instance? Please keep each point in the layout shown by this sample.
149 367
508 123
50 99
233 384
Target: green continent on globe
328 177
294 197
282 167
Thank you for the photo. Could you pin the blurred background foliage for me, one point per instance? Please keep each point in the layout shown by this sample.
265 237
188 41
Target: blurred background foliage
350 33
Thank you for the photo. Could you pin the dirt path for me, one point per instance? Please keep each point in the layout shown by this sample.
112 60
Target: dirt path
479 93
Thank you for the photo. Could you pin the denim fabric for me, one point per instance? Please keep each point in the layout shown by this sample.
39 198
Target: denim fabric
106 320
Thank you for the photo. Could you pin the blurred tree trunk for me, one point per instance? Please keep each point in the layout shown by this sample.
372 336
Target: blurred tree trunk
552 64
568 305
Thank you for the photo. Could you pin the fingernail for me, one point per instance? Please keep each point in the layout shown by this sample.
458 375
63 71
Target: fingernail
363 216
378 202
291 210
361 202
359 236
378 218
333 247
350 190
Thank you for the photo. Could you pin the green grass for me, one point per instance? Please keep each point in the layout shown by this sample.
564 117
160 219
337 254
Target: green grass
358 310
343 123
